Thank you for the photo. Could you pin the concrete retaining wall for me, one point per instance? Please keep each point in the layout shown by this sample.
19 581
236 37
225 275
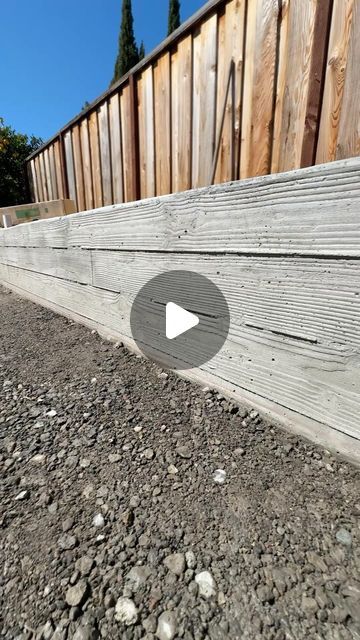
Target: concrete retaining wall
285 251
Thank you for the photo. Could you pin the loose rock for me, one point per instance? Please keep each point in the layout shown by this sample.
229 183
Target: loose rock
126 611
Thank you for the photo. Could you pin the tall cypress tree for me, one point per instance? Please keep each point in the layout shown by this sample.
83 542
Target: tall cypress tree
128 55
142 51
174 16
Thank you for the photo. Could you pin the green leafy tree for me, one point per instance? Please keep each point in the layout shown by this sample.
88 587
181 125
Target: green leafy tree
142 51
174 16
14 149
128 55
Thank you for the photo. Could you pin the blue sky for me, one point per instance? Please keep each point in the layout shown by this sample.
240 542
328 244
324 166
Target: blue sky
56 54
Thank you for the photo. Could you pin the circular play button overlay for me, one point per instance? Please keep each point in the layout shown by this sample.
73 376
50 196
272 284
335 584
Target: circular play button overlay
180 319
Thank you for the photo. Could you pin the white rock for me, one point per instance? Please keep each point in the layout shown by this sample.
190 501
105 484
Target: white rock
219 476
126 611
166 627
22 495
172 470
206 584
98 520
93 380
344 536
39 458
52 413
114 457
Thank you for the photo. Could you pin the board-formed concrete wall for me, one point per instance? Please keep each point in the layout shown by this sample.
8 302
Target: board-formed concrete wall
285 251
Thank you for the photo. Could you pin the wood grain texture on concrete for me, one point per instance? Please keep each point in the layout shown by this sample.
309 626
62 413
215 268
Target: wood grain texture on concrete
284 249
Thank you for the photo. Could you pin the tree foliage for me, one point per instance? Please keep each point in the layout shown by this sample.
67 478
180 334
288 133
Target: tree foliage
142 51
14 149
128 54
174 16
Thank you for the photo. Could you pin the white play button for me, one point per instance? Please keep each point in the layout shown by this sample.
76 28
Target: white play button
178 320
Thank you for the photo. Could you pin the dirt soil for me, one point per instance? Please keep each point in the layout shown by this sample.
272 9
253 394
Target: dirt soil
137 505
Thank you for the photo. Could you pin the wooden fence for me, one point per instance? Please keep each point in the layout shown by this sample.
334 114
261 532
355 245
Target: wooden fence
244 88
286 259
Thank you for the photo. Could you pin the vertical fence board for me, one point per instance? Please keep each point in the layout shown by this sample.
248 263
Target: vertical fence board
103 121
204 102
259 87
230 47
349 128
34 179
69 157
181 100
127 143
116 151
316 82
53 172
38 178
146 133
48 174
334 80
79 177
95 159
86 164
58 170
294 82
162 125
43 177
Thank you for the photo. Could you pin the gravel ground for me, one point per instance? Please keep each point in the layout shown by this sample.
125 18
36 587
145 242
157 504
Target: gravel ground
137 505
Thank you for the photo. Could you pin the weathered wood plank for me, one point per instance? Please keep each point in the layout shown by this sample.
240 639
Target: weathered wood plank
323 383
204 102
181 120
230 47
145 92
55 189
78 167
95 159
259 87
48 174
348 143
70 172
39 179
116 149
296 47
86 164
162 114
59 180
312 211
34 179
43 177
334 81
127 143
103 119
316 81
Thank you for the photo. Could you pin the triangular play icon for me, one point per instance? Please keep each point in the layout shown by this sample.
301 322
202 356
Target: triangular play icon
178 320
